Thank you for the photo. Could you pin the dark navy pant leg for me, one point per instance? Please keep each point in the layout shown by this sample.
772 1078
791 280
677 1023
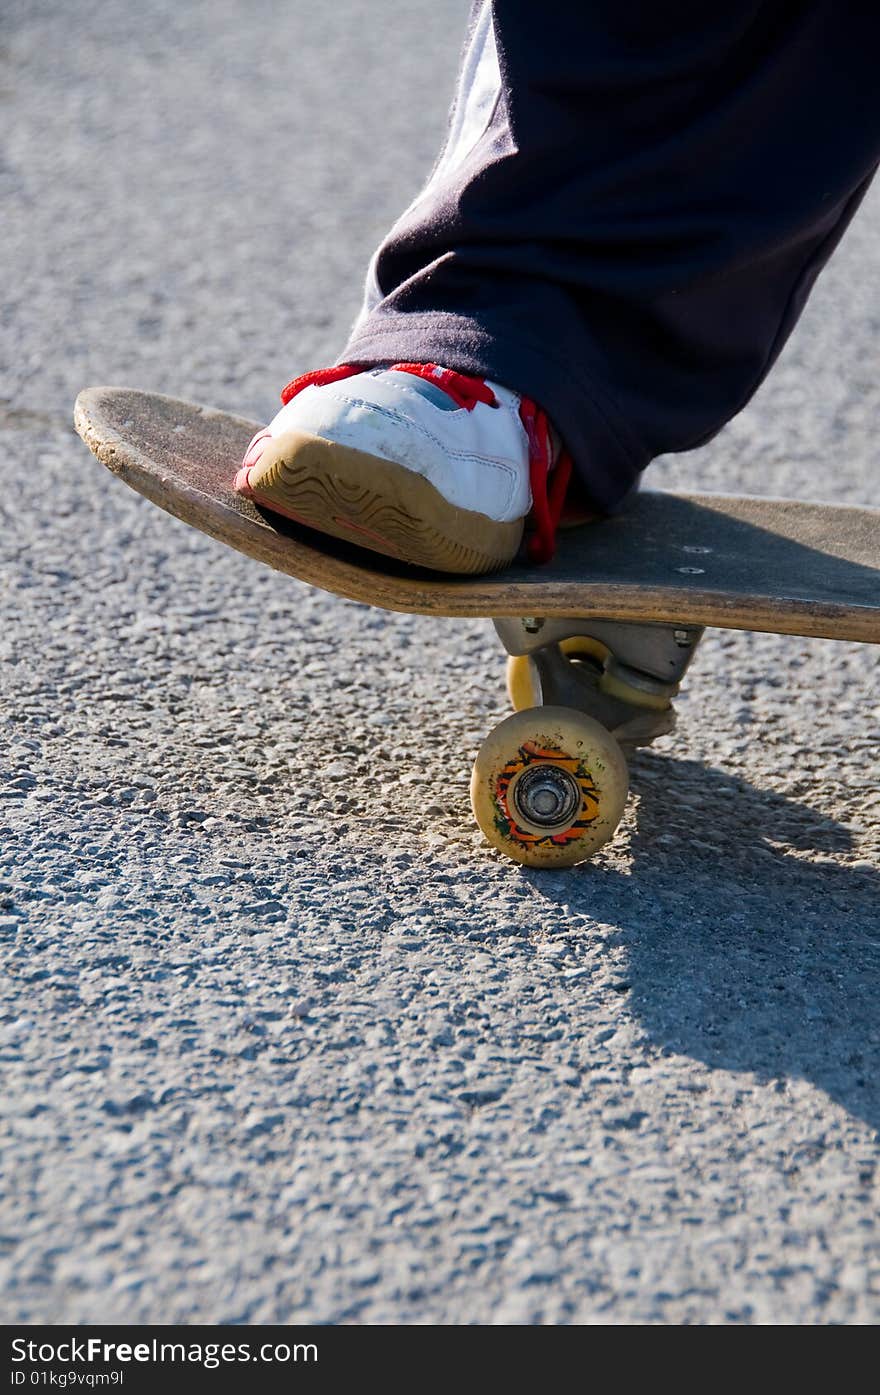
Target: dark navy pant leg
631 209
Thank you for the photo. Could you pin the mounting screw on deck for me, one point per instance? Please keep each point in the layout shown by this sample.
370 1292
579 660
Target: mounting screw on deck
531 624
683 637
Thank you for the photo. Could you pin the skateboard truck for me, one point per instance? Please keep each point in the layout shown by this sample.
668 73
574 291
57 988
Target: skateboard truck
623 674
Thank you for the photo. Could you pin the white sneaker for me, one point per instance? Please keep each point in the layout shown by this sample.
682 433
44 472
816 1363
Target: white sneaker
415 461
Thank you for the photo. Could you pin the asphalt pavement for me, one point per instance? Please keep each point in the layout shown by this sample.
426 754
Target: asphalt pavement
281 1039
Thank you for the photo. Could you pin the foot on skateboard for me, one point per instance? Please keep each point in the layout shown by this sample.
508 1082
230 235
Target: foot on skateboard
414 461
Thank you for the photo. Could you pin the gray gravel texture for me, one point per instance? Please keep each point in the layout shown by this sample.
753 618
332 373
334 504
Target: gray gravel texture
281 1038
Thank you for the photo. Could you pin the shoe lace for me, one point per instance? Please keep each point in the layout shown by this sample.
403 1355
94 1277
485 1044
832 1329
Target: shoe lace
319 377
463 390
548 482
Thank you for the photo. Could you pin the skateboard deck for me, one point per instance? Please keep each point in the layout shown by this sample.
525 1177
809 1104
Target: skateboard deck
777 565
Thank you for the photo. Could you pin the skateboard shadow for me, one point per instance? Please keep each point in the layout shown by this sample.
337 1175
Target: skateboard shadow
738 952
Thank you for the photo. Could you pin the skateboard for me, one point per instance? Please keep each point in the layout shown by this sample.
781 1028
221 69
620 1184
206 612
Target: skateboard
598 641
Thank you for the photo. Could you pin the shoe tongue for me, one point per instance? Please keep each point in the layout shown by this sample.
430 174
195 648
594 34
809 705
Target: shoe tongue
424 387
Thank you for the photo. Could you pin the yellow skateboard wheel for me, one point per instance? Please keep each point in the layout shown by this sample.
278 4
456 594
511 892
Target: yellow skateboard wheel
613 686
521 687
549 786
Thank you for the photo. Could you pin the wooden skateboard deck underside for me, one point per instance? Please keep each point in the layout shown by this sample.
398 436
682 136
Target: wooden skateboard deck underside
741 563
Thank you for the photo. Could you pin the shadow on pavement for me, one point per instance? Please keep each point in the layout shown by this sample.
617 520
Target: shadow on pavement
741 954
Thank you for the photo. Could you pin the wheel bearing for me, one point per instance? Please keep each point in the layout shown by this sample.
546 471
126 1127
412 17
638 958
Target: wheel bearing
546 796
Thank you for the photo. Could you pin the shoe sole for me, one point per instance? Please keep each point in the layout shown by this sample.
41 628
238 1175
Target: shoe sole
375 503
